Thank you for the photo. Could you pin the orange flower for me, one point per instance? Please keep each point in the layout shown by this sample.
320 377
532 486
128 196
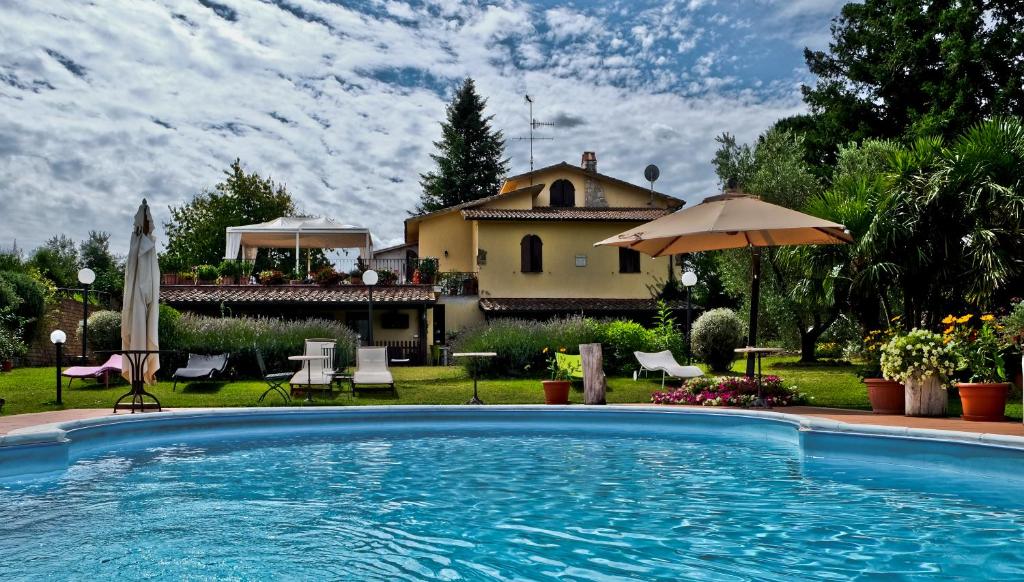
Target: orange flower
948 320
964 318
987 317
948 330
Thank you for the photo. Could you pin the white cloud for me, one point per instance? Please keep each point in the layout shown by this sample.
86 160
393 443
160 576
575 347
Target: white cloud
156 99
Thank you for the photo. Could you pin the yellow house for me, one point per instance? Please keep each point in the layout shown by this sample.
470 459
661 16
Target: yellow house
528 250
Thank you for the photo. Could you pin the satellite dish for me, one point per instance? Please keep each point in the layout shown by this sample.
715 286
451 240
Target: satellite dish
652 172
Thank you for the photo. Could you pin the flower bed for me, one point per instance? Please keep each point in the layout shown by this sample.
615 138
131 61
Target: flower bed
731 391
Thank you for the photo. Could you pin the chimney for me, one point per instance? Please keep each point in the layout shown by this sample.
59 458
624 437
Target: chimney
589 162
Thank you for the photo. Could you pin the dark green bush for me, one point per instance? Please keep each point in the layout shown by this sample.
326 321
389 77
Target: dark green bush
31 305
716 334
188 333
207 273
520 343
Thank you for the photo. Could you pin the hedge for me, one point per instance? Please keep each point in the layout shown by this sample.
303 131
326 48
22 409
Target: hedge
240 336
520 343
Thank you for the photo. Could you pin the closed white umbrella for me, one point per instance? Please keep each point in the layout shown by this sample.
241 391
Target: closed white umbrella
141 312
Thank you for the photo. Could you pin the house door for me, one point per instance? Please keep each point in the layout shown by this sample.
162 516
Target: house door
439 335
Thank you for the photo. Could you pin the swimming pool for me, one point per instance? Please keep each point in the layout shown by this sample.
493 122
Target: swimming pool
505 492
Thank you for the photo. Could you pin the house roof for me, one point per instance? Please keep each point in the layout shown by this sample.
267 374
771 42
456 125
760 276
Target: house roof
295 294
570 305
412 223
675 202
575 213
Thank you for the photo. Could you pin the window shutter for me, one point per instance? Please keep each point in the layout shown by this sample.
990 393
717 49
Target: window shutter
524 255
629 260
537 258
563 194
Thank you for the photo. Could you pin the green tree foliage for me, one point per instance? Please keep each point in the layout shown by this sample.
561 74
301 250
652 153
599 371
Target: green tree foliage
716 334
94 253
57 260
23 302
469 163
904 68
196 231
774 169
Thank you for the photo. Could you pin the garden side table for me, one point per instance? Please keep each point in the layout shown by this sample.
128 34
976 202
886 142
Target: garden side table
138 392
475 399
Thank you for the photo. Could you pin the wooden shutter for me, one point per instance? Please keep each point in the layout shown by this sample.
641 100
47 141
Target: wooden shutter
531 255
563 194
629 260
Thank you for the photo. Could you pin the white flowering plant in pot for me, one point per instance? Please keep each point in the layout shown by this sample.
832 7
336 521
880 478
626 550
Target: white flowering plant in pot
918 354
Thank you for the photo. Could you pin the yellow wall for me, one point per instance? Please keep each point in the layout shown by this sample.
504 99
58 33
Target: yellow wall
500 277
460 312
616 195
448 231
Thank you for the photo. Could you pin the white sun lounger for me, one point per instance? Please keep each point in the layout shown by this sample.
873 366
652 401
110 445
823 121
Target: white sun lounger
665 363
372 369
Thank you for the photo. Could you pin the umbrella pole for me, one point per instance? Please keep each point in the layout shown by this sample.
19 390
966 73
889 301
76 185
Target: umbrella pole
755 299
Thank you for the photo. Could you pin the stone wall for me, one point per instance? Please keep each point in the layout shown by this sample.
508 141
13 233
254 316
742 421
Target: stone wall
66 317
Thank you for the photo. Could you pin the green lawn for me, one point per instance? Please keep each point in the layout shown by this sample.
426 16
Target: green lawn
33 390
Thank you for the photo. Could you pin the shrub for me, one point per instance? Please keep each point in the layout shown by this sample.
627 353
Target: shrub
26 297
276 339
520 343
328 277
620 339
11 345
715 335
105 328
229 268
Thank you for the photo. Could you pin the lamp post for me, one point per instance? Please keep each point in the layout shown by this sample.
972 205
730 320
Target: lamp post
370 279
58 338
689 280
86 277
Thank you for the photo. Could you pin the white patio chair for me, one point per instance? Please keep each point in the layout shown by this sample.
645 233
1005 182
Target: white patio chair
318 372
665 363
372 369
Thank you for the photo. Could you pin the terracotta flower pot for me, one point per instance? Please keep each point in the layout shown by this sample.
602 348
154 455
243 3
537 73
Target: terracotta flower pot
6 365
556 391
983 402
886 396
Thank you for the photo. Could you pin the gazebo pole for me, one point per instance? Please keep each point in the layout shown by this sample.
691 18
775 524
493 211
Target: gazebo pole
755 299
296 255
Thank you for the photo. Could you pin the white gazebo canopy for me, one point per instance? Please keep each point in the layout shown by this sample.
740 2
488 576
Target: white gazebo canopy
299 233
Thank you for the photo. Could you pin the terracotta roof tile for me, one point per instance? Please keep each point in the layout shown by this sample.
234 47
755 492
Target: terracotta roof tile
530 305
343 294
581 214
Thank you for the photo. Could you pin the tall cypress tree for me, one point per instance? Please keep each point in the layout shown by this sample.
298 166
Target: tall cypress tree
469 158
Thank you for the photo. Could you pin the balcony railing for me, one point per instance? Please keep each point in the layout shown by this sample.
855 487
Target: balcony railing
411 271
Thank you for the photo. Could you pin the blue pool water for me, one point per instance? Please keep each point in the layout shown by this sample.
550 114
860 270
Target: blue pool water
496 504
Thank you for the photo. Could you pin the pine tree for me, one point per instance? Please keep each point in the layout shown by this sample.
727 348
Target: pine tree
469 159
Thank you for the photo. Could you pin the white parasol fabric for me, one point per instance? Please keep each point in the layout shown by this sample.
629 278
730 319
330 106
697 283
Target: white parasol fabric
141 312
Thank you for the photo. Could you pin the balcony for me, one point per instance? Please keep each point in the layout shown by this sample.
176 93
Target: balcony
391 272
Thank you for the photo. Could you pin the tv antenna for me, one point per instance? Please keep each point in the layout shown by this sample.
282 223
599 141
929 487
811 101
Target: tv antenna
651 172
534 124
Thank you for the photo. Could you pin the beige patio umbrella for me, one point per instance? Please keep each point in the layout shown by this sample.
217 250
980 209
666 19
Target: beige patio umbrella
141 311
730 221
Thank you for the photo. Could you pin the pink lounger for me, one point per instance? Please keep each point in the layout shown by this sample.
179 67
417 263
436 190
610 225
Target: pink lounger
111 366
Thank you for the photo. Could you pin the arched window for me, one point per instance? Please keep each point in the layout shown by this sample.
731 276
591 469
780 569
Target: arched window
530 251
563 194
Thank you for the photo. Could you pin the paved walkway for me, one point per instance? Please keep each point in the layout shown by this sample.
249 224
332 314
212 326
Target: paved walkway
1012 428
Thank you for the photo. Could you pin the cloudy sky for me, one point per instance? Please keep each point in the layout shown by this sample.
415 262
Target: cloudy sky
105 102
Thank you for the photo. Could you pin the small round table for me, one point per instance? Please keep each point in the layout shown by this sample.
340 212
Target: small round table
309 372
758 352
475 399
136 361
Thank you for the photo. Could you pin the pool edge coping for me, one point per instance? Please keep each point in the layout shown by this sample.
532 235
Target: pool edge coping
54 433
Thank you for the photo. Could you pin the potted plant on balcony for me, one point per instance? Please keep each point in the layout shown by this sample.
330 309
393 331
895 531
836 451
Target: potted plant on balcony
206 274
556 390
979 354
355 276
923 361
886 396
272 277
230 272
328 277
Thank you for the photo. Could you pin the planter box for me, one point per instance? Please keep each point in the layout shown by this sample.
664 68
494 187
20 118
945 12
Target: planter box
926 396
